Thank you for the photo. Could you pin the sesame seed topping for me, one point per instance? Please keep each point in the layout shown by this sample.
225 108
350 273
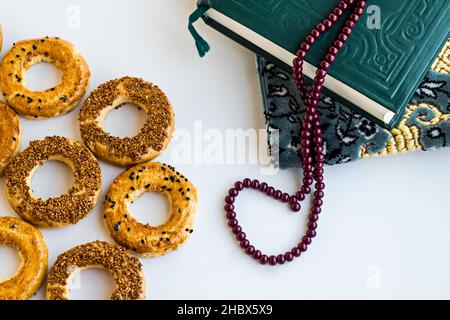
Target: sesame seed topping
126 269
154 133
70 207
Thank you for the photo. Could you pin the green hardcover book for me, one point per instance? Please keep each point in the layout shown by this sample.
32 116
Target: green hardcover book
381 66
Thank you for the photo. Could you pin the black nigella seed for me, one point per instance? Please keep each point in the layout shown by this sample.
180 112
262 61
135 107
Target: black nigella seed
192 230
104 216
179 210
132 188
46 54
187 198
39 108
147 186
17 55
29 100
40 100
127 196
142 241
34 47
187 230
17 94
164 232
166 179
14 138
129 229
188 189
117 226
29 53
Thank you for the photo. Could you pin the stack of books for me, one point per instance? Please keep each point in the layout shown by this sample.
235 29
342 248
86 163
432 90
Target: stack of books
382 64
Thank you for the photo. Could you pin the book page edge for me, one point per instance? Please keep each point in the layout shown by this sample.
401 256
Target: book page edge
343 90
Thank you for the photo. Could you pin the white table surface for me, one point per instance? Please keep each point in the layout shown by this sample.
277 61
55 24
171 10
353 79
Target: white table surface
384 230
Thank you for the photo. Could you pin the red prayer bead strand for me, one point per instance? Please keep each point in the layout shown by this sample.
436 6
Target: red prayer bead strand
312 150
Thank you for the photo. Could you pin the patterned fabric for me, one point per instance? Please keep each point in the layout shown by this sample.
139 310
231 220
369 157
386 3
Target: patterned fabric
348 135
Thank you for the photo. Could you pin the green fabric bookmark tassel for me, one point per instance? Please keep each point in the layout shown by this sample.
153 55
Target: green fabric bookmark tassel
200 43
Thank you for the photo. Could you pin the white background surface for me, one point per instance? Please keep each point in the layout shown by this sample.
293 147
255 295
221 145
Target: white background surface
384 230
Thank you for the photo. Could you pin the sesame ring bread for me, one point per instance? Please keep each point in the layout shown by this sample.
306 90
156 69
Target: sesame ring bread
126 270
54 101
154 135
10 135
70 207
146 240
33 254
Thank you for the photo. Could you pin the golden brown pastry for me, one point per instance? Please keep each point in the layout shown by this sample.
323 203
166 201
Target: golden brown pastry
33 254
54 101
126 269
145 240
70 207
10 135
154 135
